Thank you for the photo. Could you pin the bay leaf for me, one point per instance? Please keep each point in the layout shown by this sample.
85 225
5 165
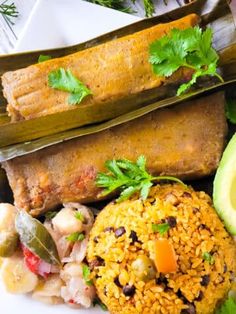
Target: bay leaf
36 238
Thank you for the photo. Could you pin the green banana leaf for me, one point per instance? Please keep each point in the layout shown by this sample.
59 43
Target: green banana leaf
26 136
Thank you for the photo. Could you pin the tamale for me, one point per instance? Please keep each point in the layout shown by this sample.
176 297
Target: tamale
186 141
112 71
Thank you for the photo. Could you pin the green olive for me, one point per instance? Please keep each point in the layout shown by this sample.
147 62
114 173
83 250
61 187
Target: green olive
144 268
8 243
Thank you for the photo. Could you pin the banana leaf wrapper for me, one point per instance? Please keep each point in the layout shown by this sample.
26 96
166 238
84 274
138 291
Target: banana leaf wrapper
215 14
185 141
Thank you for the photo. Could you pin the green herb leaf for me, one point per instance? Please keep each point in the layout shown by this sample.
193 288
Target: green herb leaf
208 257
161 228
50 215
96 301
43 58
128 177
190 48
9 11
79 216
36 238
229 307
231 109
64 80
149 8
86 275
76 236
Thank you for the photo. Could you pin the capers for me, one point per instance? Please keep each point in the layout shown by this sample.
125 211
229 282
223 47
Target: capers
8 243
144 268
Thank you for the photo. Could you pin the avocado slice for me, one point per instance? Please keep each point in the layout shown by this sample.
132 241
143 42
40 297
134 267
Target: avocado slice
224 187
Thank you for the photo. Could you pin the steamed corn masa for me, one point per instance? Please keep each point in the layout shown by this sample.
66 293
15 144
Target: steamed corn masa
112 71
185 141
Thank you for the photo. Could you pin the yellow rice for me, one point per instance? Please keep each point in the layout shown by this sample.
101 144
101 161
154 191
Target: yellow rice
198 230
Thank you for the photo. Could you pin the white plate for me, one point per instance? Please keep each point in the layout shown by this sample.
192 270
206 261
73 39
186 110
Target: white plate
57 23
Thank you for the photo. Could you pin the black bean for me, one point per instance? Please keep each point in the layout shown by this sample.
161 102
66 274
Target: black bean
190 310
203 226
109 229
186 194
98 261
171 220
119 232
95 239
200 296
225 268
117 282
133 236
182 297
195 210
162 280
205 280
128 290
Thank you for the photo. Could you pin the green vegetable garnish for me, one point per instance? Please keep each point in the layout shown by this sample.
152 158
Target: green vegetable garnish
161 228
64 80
43 58
9 11
79 216
149 8
230 110
229 307
96 301
190 48
86 275
208 257
129 177
76 236
50 215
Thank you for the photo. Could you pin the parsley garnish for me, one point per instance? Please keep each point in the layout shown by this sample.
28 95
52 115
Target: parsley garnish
190 48
50 215
79 216
129 177
229 307
208 257
76 236
64 80
86 275
96 301
43 58
161 228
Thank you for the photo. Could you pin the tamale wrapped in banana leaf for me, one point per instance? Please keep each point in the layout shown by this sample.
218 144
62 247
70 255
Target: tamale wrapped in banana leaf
112 71
186 141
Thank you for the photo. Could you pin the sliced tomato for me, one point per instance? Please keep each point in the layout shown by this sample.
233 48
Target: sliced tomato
33 262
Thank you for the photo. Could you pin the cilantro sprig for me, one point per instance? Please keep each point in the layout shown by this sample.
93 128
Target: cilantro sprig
208 257
128 177
190 48
64 80
86 275
228 307
161 228
75 236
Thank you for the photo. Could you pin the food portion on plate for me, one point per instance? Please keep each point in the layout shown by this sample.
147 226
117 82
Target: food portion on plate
105 218
185 141
107 72
167 254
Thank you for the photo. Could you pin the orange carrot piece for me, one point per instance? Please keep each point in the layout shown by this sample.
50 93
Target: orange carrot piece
165 258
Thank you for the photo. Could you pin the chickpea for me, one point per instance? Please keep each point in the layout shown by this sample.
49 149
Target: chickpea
66 223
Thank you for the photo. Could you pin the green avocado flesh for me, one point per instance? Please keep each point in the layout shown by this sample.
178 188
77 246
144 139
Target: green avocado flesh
224 187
